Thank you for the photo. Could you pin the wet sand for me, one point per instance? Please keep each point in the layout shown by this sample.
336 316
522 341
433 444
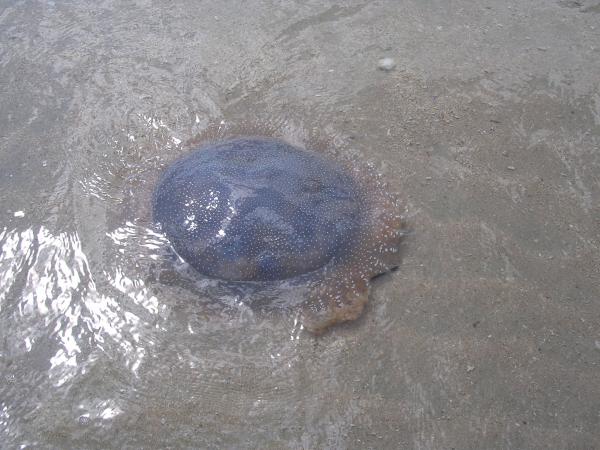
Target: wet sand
488 128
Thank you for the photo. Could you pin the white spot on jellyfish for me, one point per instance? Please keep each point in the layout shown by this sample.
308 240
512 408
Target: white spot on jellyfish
214 201
176 141
189 222
221 233
19 214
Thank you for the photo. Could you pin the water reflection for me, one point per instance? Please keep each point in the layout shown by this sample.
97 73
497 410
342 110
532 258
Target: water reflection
15 251
58 302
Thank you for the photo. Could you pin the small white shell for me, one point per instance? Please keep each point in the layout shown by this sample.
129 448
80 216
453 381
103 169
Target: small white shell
386 64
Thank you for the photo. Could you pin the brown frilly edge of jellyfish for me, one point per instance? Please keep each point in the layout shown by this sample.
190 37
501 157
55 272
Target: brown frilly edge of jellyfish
244 205
344 290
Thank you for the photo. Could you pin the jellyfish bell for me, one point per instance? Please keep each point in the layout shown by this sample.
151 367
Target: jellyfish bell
249 208
256 209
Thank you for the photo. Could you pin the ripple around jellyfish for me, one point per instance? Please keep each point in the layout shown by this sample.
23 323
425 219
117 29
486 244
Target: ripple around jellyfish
259 211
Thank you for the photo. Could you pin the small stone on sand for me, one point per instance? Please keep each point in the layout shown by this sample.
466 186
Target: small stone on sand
386 64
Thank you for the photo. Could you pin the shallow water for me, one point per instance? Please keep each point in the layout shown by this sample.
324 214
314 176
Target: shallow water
487 337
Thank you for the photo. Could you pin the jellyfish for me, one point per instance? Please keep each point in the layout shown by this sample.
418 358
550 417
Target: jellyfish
261 211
